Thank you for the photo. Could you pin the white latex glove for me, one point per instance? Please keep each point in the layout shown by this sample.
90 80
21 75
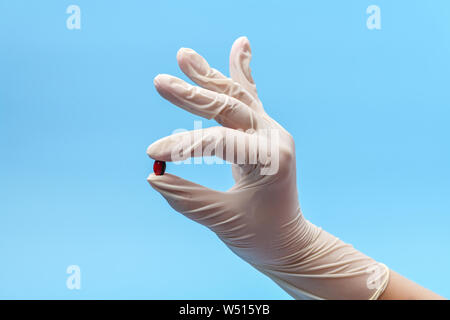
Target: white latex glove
259 218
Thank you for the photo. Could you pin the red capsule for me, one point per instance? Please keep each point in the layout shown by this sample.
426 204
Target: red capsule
159 167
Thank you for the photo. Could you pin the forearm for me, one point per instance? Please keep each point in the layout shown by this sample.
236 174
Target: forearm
401 288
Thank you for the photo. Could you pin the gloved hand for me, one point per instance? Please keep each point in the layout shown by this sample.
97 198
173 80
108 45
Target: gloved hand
259 218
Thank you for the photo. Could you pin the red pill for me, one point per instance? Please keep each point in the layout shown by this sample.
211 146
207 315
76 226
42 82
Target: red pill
159 167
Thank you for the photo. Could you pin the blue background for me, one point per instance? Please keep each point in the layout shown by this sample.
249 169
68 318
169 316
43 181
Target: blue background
369 110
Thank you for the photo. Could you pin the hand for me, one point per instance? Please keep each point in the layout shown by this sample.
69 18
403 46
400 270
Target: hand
253 216
259 218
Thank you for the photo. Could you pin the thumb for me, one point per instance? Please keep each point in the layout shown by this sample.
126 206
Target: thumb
203 205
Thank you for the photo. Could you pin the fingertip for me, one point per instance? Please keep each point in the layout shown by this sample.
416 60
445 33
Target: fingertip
180 54
155 182
163 78
164 182
150 176
150 179
192 63
157 81
241 43
182 58
154 179
246 45
167 85
180 51
243 39
183 51
151 151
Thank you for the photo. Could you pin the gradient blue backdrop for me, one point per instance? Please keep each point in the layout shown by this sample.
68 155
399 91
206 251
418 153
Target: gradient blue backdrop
369 111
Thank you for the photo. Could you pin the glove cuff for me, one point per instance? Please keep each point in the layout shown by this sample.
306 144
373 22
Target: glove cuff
328 268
